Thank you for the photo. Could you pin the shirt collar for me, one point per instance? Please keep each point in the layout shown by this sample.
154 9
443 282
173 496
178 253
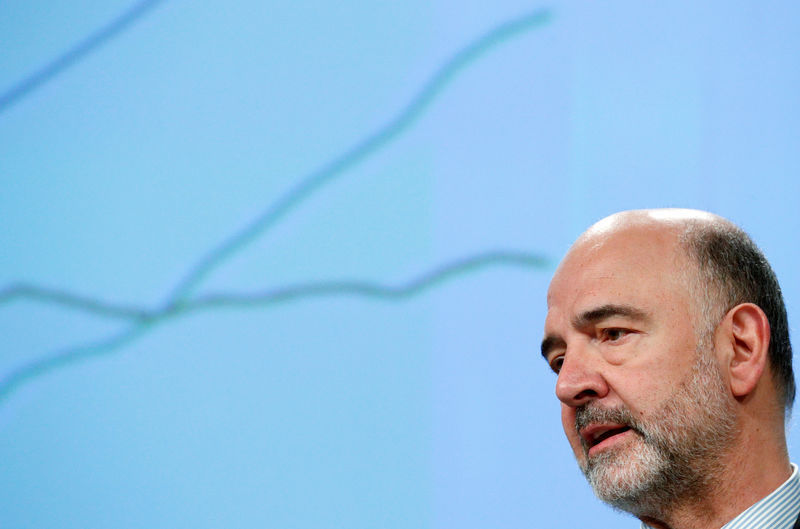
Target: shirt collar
778 510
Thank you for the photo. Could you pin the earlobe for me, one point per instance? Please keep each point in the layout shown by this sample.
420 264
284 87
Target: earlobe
747 334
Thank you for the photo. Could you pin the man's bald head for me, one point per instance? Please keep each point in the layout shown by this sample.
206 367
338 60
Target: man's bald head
657 220
726 268
661 326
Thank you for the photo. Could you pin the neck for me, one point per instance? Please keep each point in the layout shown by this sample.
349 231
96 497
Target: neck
756 464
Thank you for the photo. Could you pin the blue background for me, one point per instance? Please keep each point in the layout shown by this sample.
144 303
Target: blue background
132 148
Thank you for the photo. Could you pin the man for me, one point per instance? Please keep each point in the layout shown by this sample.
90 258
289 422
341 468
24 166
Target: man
668 332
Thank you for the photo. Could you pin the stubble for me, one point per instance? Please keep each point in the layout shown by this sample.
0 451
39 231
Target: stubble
675 454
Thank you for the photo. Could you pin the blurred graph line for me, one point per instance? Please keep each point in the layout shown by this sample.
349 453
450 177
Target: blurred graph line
299 291
376 291
179 302
53 296
76 53
358 153
63 358
291 199
420 284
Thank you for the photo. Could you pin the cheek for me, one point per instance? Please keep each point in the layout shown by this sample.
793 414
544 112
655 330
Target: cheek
644 382
568 422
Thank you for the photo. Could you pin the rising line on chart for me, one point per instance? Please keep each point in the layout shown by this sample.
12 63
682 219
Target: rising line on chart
417 286
179 301
72 55
358 153
307 185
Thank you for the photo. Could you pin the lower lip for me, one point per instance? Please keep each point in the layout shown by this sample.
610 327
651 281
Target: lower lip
609 442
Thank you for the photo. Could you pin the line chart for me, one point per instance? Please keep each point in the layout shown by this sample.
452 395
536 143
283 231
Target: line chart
308 289
307 185
364 148
77 52
180 302
277 296
79 302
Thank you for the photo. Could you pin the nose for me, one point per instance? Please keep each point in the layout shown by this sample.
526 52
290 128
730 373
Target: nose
580 379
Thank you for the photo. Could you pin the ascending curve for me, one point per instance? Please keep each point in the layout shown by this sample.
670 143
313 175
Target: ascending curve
348 159
179 302
306 186
75 53
292 293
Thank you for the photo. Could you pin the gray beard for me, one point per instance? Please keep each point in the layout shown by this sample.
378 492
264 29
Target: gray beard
675 455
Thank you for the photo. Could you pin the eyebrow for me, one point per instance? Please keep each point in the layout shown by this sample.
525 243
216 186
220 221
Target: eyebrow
550 343
608 311
593 316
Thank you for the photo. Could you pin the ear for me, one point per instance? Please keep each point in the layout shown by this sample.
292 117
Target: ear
746 334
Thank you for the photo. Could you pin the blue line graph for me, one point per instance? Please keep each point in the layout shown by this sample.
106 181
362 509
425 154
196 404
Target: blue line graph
74 54
311 183
180 301
144 321
299 291
78 302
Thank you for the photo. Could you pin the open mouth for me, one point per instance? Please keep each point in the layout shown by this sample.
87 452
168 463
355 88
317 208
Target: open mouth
597 434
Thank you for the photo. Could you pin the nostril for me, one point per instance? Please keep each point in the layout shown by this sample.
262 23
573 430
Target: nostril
586 394
578 387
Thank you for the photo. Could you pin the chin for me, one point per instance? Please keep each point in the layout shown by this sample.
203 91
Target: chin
626 478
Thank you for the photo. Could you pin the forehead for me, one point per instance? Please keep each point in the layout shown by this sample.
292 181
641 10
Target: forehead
642 267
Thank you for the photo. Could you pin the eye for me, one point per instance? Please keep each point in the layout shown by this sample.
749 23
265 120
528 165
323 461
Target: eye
613 334
556 363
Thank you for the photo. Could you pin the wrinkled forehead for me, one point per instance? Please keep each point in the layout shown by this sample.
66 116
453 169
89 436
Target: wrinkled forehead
639 258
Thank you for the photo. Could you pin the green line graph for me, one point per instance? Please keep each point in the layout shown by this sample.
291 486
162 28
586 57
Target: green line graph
180 301
368 146
145 321
72 301
298 291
